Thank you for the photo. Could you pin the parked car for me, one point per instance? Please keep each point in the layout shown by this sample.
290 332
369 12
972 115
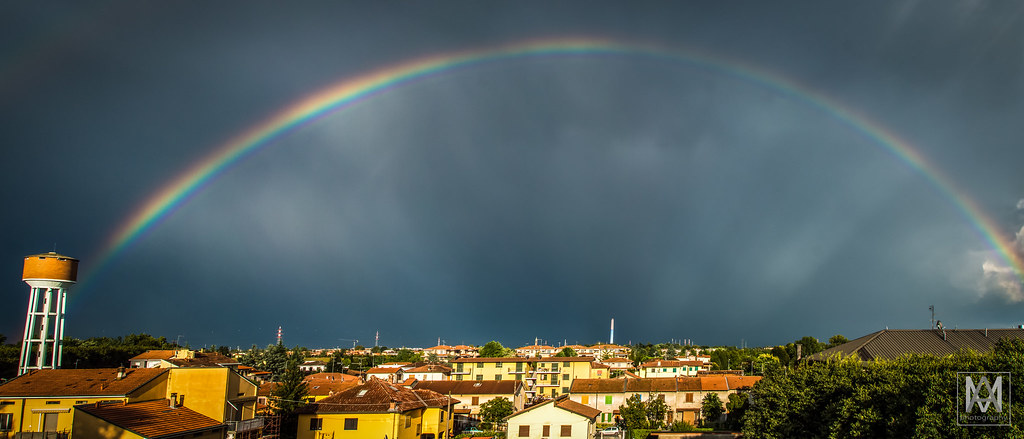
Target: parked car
472 430
611 431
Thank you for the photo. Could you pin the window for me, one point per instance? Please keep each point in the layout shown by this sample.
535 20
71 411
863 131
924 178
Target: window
458 377
673 369
53 402
585 399
524 431
497 377
565 376
554 367
565 390
476 400
546 431
498 364
689 397
479 365
565 364
566 431
5 421
458 367
479 377
351 423
316 424
408 421
607 399
519 367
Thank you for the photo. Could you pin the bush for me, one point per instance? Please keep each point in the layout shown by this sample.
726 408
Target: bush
641 433
682 427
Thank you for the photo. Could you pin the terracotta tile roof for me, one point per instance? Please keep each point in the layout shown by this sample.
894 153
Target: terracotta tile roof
651 385
152 419
431 368
336 376
607 347
535 347
78 382
894 343
617 360
155 355
442 347
328 387
463 347
494 360
740 382
375 396
565 359
714 383
597 365
487 387
688 384
598 385
563 402
266 389
630 374
577 408
204 359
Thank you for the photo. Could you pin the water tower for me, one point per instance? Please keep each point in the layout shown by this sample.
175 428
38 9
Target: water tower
50 275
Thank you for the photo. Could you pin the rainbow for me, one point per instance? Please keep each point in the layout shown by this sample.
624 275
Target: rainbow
353 90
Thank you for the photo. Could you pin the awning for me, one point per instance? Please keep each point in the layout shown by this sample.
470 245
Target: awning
67 410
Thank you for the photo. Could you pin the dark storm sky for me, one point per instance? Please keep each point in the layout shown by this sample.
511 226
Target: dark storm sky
529 197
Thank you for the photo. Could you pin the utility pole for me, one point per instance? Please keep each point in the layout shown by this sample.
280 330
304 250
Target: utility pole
932 309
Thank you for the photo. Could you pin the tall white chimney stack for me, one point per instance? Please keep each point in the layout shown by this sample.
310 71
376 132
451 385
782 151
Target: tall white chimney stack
611 336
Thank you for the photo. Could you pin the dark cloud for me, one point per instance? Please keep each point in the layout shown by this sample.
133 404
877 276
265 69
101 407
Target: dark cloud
532 197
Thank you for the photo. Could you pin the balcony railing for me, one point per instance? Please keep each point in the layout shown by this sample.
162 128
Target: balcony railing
246 425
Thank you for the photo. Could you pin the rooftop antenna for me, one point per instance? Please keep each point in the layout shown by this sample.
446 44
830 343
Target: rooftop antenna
932 309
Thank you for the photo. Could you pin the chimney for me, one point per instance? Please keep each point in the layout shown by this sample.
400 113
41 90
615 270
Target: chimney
120 372
174 398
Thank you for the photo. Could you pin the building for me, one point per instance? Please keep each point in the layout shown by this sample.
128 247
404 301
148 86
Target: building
312 366
429 372
148 419
683 395
378 409
42 400
672 368
553 376
536 350
181 358
49 275
497 369
558 417
618 363
472 394
890 344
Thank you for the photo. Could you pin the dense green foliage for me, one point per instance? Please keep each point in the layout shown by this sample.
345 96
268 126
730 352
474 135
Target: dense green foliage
89 353
638 414
273 359
494 349
711 408
496 409
567 352
912 397
290 393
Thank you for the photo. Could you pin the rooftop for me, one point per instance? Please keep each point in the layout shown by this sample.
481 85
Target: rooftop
152 419
893 343
78 382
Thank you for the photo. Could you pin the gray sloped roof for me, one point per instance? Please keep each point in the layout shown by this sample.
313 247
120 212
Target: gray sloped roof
894 343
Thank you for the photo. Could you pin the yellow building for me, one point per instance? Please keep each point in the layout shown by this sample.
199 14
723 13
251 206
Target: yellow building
492 369
159 418
42 400
554 375
377 409
217 392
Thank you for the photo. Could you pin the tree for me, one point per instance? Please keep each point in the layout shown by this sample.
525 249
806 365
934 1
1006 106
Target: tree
809 346
292 389
634 413
836 340
567 352
496 409
656 410
766 363
432 358
407 355
493 349
711 408
290 394
736 408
